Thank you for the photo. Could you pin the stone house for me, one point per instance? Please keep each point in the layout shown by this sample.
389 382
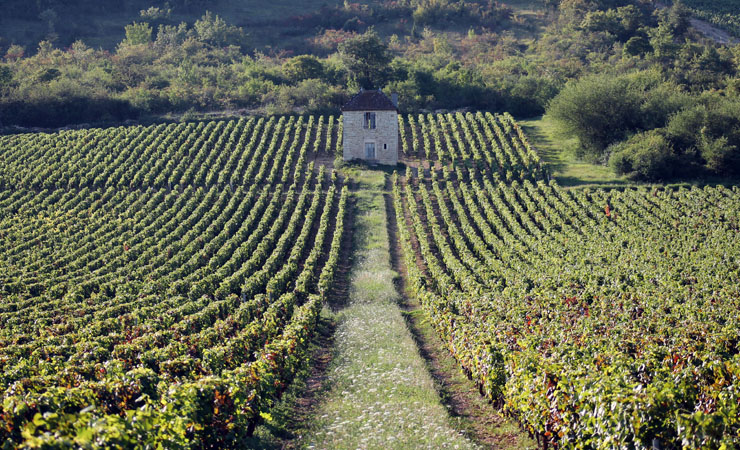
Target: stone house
371 128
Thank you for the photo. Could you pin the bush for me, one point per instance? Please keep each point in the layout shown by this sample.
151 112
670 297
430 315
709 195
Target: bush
709 134
303 67
720 156
213 30
601 110
645 156
598 110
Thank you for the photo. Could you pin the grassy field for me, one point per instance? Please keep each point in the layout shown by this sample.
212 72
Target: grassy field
559 154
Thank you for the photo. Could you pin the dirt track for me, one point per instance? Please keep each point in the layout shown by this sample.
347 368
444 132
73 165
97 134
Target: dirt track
712 32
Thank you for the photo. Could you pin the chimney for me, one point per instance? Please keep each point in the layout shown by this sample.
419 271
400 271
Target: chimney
394 99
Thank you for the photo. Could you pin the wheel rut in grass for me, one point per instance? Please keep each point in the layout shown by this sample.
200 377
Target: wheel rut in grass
471 412
379 393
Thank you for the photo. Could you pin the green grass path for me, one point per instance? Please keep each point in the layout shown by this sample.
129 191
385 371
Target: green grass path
380 394
559 154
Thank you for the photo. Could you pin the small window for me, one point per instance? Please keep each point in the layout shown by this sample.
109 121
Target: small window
385 146
370 120
370 150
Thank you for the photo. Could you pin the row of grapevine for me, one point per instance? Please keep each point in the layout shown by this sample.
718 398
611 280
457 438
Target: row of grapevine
236 152
493 144
593 316
136 314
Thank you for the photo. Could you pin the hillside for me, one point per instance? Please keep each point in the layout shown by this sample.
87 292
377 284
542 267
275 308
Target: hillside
722 13
223 59
187 260
101 23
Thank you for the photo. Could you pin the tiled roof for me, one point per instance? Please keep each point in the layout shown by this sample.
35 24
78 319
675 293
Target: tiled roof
369 101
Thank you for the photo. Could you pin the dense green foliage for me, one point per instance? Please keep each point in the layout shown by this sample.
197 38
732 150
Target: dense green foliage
443 54
598 318
702 139
435 54
622 117
159 285
164 66
366 58
602 109
650 129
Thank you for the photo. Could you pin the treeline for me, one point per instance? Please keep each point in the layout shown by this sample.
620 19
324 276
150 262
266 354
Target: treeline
207 65
650 129
437 54
670 107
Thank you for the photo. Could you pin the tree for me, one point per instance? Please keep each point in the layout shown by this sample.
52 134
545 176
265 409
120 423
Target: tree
679 18
736 56
662 40
16 52
598 110
170 36
603 21
303 67
366 58
138 33
45 48
711 131
720 155
213 30
631 18
636 46
6 76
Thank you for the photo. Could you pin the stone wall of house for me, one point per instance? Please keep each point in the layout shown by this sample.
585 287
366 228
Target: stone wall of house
385 132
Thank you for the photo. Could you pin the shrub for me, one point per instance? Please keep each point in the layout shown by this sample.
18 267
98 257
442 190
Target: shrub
645 156
709 133
138 33
720 156
598 110
303 67
213 30
601 110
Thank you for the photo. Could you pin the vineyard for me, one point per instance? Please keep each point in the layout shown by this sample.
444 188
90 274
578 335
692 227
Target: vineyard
723 13
598 318
159 284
